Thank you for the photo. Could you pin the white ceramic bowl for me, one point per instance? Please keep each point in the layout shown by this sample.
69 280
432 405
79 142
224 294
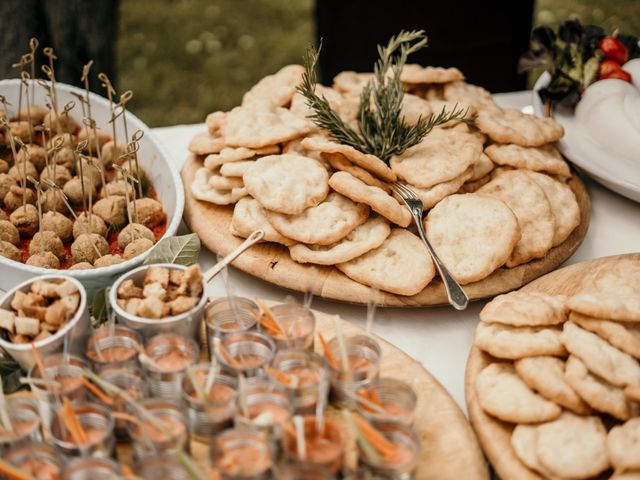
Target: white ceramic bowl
152 157
77 328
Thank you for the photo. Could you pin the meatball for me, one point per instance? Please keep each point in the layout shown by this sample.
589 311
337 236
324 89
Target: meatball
20 168
89 223
61 123
111 153
35 113
52 201
4 166
108 260
51 241
89 170
62 174
34 154
25 220
44 260
149 211
9 232
132 232
6 182
58 223
20 129
81 266
117 187
3 215
13 199
103 137
73 190
82 249
66 157
9 250
113 210
136 247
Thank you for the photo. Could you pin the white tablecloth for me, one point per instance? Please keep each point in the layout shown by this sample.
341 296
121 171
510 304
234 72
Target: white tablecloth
440 338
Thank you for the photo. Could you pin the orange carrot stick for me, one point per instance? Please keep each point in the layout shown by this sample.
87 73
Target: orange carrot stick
38 359
268 316
228 357
126 417
282 377
103 397
333 361
127 472
373 396
73 424
379 441
13 473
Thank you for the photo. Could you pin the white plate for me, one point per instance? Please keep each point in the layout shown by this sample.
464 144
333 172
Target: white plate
153 158
618 174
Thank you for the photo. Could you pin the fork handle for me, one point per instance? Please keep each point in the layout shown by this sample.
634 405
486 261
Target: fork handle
456 295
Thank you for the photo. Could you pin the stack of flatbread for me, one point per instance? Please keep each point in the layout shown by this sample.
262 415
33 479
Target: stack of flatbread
495 192
565 372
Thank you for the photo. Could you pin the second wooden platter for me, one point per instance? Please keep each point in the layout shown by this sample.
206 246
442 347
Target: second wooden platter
495 435
271 262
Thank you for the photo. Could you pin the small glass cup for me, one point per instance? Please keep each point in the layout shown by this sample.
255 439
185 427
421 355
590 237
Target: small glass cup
68 372
171 355
35 458
113 346
25 422
241 454
407 440
229 315
364 356
217 414
324 450
97 422
298 324
131 380
396 399
92 469
245 353
303 471
299 371
148 440
162 467
264 406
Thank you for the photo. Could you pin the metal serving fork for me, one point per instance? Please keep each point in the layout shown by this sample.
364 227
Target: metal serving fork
456 295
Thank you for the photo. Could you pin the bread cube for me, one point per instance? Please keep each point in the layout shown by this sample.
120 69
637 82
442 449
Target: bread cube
7 320
157 275
27 326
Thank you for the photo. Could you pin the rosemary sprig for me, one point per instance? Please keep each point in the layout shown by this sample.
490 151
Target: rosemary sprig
382 130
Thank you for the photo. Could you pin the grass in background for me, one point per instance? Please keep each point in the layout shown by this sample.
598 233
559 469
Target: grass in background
186 58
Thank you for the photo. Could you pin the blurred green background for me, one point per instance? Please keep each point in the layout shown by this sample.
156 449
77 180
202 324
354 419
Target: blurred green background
186 58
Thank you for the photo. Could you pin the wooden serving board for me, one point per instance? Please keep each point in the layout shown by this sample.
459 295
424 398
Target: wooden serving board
495 435
450 449
272 262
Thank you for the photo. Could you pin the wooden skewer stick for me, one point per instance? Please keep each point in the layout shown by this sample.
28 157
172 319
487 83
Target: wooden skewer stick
24 78
38 201
77 154
24 60
23 177
33 45
92 123
97 164
123 172
135 139
53 151
106 83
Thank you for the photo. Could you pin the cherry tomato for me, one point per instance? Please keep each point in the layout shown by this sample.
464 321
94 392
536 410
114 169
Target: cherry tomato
619 74
606 67
613 49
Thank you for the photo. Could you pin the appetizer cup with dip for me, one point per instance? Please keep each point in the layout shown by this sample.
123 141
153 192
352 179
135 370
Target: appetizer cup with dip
165 361
245 353
113 346
298 370
38 459
403 460
24 420
162 467
324 449
162 298
92 469
363 355
214 413
97 423
47 312
242 454
229 315
148 440
387 400
289 325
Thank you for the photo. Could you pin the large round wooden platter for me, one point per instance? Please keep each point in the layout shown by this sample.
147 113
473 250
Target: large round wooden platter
450 448
495 435
271 262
